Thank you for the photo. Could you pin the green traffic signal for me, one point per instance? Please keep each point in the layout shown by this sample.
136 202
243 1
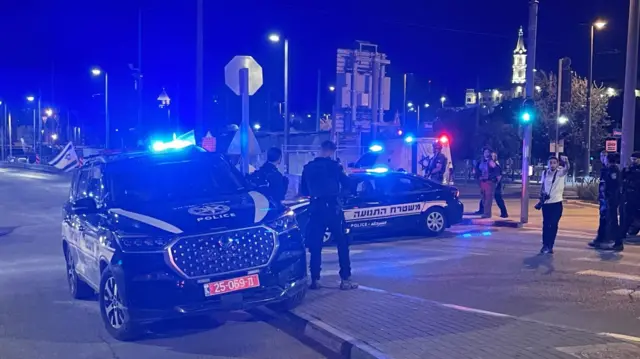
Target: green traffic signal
525 117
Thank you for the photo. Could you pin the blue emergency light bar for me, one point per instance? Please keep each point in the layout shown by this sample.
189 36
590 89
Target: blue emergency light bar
375 148
377 170
186 140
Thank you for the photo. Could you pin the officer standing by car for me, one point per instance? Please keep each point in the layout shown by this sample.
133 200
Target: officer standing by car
437 164
602 225
630 194
276 182
324 180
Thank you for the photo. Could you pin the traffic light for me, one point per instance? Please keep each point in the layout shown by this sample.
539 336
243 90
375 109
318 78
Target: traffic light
527 111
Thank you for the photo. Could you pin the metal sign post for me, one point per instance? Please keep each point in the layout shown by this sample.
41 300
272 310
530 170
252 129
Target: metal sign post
243 76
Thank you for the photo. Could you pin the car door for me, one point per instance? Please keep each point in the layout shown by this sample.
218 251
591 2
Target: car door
367 207
406 196
86 226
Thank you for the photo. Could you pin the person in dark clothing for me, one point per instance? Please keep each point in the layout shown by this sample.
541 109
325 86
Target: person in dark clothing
612 198
486 174
277 184
630 194
324 180
602 226
436 165
498 190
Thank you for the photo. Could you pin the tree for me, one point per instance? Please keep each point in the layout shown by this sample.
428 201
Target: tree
572 132
498 131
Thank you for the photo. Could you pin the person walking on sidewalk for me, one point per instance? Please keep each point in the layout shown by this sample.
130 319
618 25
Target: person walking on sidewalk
324 180
551 196
498 190
486 174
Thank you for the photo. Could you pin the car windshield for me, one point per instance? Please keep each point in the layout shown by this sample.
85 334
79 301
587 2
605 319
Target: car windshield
170 181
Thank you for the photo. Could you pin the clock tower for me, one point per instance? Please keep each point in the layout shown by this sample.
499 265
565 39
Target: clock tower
519 61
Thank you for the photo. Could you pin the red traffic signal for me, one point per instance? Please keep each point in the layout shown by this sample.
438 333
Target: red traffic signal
443 139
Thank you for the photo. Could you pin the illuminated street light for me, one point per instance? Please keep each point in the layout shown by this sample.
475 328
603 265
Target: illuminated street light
48 112
256 126
426 105
332 88
30 98
563 120
54 136
611 92
409 104
538 88
442 100
600 24
274 38
96 71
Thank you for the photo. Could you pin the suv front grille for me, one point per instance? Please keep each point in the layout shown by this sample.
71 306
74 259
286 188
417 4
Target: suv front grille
223 252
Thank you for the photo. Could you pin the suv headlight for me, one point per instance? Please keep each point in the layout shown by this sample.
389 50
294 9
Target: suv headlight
143 243
284 223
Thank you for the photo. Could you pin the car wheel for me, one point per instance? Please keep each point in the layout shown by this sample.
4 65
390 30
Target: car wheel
435 221
113 309
77 287
289 303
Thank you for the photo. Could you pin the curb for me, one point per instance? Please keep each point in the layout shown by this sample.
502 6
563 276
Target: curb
582 203
330 338
491 223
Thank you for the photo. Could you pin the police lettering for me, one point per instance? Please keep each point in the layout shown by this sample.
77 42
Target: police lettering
218 216
407 208
372 212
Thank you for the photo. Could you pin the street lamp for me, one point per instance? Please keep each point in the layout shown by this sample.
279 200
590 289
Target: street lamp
54 136
276 38
410 104
36 126
426 105
97 72
599 24
332 88
256 126
442 100
563 120
48 112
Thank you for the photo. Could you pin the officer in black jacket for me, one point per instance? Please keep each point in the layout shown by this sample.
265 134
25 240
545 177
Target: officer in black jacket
276 182
324 180
630 194
612 196
602 225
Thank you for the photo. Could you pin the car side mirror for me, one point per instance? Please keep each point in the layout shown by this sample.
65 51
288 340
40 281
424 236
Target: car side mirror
85 205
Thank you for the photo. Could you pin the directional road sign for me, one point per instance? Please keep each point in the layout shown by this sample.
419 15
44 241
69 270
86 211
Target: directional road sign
232 77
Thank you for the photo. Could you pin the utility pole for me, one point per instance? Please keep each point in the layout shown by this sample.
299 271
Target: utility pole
404 101
526 143
631 75
558 105
139 70
318 117
375 92
200 69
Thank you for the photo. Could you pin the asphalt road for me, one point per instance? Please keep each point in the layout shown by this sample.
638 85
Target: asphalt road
38 318
485 269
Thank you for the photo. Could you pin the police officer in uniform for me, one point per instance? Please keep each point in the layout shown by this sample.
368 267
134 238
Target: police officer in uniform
324 179
602 225
436 165
630 194
612 196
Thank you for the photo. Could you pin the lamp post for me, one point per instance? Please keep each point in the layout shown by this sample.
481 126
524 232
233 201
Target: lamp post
442 100
36 125
598 25
97 72
276 38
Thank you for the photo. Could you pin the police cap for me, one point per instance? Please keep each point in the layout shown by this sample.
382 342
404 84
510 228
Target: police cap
328 146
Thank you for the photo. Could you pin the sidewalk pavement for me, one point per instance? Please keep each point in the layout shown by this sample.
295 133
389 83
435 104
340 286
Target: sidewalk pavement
576 216
373 323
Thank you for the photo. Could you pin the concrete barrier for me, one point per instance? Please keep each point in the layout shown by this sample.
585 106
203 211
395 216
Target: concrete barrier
31 167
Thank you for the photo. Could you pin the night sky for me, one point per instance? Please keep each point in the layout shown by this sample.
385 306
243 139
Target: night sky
50 46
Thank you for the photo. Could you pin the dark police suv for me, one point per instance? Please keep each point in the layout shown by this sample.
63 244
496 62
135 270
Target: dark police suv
393 202
159 235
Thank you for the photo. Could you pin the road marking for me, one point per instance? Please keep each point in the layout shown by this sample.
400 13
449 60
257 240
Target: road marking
614 275
615 261
406 263
626 292
624 337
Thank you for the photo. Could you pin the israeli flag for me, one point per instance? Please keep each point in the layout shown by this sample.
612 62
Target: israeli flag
66 160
